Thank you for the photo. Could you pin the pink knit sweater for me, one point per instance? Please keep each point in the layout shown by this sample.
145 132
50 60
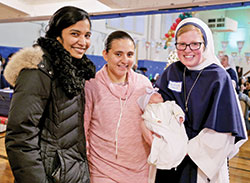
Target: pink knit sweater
117 151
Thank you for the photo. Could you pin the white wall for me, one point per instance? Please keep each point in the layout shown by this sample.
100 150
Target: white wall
24 34
240 15
19 34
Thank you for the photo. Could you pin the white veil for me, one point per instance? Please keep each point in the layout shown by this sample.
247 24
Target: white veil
208 54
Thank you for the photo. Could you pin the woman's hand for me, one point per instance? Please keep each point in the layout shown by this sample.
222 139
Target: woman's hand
147 134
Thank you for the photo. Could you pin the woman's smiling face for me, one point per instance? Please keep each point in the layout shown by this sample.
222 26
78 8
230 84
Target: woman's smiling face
188 57
76 38
120 59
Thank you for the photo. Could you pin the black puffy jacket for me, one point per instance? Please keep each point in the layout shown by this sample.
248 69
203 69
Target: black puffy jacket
45 139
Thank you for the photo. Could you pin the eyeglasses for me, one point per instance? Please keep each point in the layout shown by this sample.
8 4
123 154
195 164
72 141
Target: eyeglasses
192 46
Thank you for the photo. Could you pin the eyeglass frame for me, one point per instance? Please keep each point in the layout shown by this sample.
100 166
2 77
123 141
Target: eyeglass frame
188 45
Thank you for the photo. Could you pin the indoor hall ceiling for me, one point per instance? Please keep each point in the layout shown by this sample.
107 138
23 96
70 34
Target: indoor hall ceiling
28 10
137 4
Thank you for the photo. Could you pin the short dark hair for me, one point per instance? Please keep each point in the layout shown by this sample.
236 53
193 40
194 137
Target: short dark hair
63 18
116 35
143 69
226 56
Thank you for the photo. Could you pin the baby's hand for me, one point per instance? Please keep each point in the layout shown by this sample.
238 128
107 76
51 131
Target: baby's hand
155 98
181 119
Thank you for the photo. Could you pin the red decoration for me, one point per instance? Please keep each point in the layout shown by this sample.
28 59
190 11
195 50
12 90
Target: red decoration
178 20
173 28
171 32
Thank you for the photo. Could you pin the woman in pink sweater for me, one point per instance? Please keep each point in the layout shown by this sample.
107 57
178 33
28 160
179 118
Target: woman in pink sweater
113 124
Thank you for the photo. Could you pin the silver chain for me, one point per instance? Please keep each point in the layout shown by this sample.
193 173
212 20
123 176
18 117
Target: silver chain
189 93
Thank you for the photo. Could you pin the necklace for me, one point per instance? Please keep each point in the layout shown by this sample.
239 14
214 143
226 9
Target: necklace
189 93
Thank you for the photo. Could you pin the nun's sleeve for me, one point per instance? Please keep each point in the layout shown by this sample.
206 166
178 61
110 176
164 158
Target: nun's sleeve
210 149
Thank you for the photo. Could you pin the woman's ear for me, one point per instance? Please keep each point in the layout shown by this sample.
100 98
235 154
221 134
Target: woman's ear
59 39
204 48
105 55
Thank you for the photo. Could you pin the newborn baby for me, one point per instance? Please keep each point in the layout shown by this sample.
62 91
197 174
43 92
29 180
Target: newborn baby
165 120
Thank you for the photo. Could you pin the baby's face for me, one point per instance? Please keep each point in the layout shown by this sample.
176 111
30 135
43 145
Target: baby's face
156 98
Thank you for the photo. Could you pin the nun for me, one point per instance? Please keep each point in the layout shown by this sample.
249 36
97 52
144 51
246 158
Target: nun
214 123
